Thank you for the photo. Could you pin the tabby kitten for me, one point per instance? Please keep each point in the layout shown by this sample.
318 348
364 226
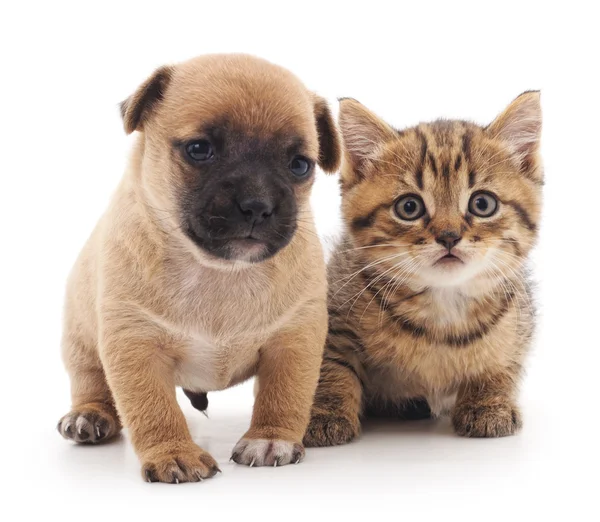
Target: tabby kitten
429 301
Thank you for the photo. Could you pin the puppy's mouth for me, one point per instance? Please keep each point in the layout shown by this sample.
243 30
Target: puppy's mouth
248 242
252 247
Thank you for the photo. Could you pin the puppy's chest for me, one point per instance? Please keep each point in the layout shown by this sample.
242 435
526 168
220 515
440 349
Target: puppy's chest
222 333
204 365
230 308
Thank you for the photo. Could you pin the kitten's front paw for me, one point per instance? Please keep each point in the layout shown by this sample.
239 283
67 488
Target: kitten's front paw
471 420
330 430
177 462
267 452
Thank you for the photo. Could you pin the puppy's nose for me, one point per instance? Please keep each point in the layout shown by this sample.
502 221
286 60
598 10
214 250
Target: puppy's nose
448 239
255 210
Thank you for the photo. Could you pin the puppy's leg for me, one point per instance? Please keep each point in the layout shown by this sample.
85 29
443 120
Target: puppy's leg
486 407
93 417
337 405
288 371
139 364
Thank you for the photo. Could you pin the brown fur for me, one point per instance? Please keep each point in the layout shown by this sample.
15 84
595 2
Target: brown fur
406 336
147 310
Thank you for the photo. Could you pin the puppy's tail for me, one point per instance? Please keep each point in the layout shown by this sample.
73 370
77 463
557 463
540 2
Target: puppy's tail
199 400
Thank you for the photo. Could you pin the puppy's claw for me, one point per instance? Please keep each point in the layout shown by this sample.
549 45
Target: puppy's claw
253 461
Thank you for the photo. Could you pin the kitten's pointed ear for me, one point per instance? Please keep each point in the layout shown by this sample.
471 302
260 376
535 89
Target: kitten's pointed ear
136 109
330 143
520 127
363 131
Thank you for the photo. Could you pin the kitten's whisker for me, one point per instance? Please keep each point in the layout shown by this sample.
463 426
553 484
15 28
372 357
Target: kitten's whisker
375 263
398 267
371 282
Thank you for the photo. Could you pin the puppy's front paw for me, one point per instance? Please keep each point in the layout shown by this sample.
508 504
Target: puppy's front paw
471 420
267 452
89 424
330 430
177 462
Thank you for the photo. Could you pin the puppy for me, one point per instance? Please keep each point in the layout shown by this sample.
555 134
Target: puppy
206 268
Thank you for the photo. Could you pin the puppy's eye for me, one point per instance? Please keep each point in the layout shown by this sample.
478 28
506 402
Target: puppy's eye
410 207
199 150
300 166
483 204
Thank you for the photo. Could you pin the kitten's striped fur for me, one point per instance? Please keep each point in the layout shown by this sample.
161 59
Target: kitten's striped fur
409 337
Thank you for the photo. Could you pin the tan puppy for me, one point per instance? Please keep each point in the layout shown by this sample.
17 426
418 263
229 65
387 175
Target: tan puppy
206 268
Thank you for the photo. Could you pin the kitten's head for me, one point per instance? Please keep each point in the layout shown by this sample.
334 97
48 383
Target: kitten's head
447 202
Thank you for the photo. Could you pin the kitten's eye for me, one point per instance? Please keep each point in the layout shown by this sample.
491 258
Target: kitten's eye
300 166
410 207
483 204
199 150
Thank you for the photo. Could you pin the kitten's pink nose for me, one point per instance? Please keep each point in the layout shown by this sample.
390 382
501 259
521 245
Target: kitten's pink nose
448 239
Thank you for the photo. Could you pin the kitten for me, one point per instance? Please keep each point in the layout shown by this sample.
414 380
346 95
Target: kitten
429 301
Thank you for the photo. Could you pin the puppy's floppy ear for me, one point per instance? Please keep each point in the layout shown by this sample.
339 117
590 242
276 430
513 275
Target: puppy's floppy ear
136 109
330 146
520 128
363 131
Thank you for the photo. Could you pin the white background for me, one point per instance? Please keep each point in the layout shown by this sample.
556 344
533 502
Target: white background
62 151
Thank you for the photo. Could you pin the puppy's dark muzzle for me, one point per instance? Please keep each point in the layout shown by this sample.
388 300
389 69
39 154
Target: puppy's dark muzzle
255 211
242 215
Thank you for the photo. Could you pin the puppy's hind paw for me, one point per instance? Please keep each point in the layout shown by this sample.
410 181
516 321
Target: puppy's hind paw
89 424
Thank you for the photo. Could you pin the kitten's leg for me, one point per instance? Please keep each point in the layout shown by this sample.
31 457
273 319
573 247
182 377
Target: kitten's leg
486 407
93 417
335 415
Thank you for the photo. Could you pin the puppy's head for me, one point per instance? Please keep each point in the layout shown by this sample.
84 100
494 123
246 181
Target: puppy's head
230 145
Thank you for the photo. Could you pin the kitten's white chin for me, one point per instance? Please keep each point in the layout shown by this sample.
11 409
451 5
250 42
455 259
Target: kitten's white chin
449 273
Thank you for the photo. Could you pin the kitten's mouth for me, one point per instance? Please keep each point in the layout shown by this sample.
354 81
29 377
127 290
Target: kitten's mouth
448 259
